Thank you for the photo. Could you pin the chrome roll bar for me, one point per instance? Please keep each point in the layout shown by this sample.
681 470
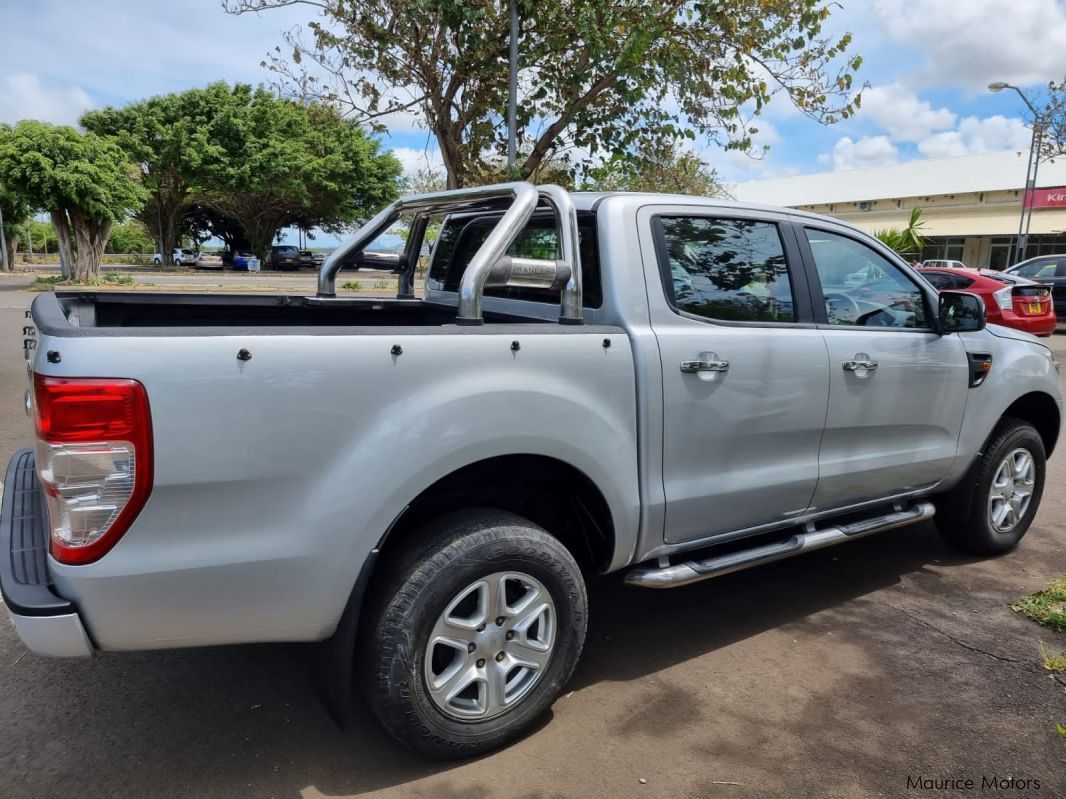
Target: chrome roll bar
490 265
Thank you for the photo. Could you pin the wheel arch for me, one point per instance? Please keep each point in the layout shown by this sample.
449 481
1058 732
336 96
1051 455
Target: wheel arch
1041 411
548 491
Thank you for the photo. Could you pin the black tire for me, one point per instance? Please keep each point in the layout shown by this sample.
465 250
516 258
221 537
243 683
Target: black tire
963 514
452 552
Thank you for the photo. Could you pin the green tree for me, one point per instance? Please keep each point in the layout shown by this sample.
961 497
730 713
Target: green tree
167 136
270 162
130 236
85 182
907 241
615 78
671 169
15 211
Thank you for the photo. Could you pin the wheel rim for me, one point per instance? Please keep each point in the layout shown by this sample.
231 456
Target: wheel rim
1011 490
490 646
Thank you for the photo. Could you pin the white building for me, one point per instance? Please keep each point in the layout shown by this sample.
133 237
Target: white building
971 204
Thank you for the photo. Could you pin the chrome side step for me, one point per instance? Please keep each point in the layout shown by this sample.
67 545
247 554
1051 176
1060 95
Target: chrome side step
696 570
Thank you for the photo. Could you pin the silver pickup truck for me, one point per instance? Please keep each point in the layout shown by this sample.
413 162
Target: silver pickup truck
670 387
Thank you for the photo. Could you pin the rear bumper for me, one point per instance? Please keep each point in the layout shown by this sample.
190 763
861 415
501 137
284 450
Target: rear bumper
46 623
1037 325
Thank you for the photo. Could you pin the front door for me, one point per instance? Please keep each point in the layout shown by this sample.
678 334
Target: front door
745 371
897 389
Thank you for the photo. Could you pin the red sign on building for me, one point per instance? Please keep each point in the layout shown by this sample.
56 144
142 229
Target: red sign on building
1047 198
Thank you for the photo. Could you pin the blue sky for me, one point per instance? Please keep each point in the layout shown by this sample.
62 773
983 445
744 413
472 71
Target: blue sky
927 62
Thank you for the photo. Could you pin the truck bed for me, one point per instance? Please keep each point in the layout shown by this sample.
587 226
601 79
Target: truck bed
103 312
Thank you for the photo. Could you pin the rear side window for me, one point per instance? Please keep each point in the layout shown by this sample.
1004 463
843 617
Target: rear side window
947 280
460 238
730 270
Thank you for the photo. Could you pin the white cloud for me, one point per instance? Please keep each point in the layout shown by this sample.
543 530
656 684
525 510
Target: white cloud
973 42
867 151
899 112
414 159
24 96
977 136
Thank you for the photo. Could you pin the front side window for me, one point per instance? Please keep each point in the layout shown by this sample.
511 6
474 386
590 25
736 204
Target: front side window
730 270
861 287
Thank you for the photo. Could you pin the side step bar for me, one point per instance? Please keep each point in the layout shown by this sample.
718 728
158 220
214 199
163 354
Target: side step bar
696 570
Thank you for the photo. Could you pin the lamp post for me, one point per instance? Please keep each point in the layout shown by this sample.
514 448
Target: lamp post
512 90
1022 242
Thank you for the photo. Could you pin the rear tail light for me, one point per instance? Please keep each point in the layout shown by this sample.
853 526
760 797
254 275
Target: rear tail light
94 460
1031 300
1004 298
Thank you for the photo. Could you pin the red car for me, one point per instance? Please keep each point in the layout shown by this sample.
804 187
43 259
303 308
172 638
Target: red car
1010 300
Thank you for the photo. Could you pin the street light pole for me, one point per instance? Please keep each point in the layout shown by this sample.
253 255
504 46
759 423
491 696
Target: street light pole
1035 143
512 92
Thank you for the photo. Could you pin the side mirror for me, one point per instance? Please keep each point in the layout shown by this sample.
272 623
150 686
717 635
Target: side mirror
961 312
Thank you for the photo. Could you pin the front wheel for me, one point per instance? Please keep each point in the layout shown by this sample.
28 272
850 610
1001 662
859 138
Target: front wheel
475 634
1007 483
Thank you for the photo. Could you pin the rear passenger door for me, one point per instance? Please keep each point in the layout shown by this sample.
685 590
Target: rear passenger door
744 369
897 389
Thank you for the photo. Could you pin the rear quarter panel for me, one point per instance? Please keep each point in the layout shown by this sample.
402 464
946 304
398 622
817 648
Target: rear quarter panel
275 477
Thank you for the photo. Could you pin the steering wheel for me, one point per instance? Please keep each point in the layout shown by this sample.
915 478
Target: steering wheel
841 307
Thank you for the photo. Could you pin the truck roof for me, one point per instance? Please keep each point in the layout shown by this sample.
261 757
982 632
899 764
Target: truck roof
588 200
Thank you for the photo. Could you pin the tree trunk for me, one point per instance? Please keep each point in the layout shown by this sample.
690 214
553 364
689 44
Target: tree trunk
92 236
12 246
61 223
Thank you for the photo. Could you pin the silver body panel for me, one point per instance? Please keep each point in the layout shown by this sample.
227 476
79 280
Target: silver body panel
276 477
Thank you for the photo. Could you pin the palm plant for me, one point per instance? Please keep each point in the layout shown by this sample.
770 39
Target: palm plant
907 241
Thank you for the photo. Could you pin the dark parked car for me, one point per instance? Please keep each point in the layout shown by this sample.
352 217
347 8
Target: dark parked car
284 256
1049 270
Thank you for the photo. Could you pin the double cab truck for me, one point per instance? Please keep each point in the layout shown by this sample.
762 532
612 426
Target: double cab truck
668 387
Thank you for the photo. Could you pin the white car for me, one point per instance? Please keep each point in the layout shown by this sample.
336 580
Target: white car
943 263
209 260
181 256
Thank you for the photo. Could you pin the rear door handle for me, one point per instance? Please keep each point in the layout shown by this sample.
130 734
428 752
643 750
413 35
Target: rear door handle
707 362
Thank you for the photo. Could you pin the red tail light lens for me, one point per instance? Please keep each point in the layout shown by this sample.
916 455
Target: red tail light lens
94 460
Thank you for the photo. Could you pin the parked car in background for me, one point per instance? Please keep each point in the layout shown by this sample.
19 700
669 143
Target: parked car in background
1049 270
943 263
181 257
311 259
284 256
209 260
1010 300
241 259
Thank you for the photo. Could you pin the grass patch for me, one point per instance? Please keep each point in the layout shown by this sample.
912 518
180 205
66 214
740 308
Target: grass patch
117 280
1047 607
1052 661
49 282
351 285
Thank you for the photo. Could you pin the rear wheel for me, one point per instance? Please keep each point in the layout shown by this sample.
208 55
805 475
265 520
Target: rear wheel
1007 483
476 632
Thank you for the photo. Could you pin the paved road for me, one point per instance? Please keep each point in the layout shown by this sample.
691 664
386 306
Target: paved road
838 674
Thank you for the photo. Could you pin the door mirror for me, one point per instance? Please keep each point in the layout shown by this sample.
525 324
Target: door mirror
961 312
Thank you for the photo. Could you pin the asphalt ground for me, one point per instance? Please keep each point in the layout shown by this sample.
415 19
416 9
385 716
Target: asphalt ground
842 673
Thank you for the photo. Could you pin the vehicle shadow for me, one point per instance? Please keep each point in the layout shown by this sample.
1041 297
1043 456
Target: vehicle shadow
243 720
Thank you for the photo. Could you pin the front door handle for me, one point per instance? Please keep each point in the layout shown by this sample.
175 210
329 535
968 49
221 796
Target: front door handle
707 362
860 363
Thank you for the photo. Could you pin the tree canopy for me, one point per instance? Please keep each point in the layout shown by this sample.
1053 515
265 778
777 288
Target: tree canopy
84 181
619 78
671 169
271 162
263 161
165 136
